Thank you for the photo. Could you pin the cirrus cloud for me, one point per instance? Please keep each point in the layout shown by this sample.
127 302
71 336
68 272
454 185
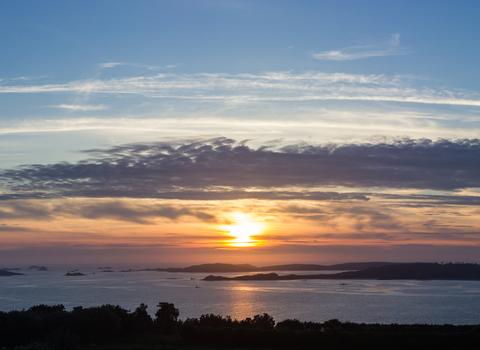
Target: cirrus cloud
82 108
269 86
388 48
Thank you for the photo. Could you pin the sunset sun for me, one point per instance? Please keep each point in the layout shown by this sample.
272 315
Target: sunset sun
243 229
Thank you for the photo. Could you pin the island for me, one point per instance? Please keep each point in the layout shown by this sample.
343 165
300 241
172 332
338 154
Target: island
9 273
74 274
33 267
219 267
413 271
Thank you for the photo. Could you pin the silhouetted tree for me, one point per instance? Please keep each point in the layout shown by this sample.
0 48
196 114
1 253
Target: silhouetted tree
166 318
47 309
215 321
290 324
264 321
95 324
127 322
141 319
332 325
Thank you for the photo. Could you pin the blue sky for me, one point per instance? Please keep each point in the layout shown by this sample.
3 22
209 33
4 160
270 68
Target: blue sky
66 40
282 78
415 51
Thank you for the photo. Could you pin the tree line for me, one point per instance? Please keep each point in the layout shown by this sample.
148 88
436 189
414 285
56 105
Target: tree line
54 328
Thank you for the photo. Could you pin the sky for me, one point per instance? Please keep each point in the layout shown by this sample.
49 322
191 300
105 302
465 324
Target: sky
169 133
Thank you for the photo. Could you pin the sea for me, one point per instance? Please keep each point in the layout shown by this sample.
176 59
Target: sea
360 301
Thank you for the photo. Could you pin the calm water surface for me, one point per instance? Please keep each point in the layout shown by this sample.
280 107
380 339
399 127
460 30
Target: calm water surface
369 301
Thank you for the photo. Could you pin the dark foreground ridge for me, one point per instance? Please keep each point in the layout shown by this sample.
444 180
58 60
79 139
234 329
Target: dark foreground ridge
218 267
414 271
112 327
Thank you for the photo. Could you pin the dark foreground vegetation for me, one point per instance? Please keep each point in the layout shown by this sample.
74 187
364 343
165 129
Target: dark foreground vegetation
45 327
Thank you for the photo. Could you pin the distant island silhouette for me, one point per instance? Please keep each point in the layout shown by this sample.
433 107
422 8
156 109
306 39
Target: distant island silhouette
365 270
74 274
227 268
219 267
33 267
9 273
414 271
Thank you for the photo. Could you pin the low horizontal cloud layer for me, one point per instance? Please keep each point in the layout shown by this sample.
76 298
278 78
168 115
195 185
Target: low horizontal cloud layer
225 169
173 256
268 86
5 228
107 209
22 211
138 214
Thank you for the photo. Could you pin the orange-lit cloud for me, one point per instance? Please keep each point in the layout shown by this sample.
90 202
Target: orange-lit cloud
217 195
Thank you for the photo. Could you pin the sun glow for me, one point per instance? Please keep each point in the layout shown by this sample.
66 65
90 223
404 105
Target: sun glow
243 229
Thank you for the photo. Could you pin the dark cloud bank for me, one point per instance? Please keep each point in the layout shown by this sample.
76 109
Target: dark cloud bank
222 168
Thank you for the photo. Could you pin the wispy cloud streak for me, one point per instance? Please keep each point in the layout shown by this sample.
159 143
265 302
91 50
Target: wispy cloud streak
150 67
83 108
270 86
389 48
